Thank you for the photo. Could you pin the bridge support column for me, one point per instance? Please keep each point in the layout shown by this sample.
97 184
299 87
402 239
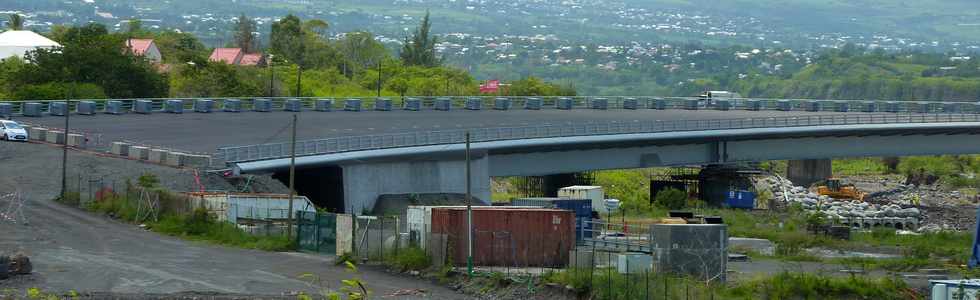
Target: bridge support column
363 183
808 171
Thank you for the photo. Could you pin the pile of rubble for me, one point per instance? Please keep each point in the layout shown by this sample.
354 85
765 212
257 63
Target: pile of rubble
853 213
19 264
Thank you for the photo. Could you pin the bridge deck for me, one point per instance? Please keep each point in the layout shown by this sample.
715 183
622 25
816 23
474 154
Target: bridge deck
200 132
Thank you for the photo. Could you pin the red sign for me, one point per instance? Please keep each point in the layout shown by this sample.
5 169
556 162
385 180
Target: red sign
491 86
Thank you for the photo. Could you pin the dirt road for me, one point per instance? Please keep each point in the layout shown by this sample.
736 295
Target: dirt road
76 250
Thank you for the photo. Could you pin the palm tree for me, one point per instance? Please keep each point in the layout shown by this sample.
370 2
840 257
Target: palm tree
16 22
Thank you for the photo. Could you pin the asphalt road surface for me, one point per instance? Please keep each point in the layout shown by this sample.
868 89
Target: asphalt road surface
75 250
199 132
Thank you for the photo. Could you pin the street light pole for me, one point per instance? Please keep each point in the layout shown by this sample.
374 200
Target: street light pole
469 212
292 180
64 153
379 78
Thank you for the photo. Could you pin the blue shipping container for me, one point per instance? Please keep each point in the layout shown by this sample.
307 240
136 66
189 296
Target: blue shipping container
740 199
581 207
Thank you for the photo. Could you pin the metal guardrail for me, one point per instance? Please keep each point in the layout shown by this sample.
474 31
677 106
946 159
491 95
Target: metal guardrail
457 136
16 108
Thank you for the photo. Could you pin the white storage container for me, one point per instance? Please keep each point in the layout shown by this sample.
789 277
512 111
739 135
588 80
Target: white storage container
593 193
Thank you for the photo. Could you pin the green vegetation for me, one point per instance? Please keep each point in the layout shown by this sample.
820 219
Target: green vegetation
348 67
174 218
609 284
90 61
672 199
200 226
419 50
408 259
813 286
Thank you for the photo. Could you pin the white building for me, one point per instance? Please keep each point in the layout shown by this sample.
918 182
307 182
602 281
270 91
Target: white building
19 42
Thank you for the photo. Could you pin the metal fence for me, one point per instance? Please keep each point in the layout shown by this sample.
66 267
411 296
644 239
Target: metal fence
316 232
457 136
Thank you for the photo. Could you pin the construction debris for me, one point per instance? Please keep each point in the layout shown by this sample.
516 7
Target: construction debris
854 213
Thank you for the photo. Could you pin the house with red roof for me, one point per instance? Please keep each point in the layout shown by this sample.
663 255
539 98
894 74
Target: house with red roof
253 59
145 48
231 56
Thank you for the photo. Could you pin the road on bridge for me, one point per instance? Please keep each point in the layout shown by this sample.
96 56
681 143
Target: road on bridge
201 132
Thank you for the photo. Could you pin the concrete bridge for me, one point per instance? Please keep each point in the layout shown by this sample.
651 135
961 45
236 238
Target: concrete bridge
417 147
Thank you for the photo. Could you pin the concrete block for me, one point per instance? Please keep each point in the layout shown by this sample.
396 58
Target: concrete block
120 148
143 106
57 108
139 152
445 104
293 105
194 160
474 103
76 140
6 109
630 103
31 109
600 103
37 133
323 105
85 108
232 105
157 155
174 159
114 107
55 137
203 105
564 103
174 106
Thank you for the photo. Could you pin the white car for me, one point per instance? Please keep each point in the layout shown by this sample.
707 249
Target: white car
11 131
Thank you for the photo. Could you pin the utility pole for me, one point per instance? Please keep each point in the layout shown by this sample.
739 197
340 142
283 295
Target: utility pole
469 212
379 78
299 80
64 153
292 179
272 76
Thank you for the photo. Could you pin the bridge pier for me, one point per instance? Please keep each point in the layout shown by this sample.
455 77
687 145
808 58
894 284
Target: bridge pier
364 182
808 171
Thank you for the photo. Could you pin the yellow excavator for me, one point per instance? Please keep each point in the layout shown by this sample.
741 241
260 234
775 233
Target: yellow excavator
833 188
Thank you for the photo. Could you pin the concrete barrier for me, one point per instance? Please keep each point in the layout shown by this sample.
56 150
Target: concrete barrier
157 155
37 133
55 137
76 140
119 148
174 159
139 152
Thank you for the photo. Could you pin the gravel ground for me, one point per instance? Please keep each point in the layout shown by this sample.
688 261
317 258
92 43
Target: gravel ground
75 250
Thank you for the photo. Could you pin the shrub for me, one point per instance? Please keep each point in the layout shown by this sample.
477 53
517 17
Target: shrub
671 199
410 259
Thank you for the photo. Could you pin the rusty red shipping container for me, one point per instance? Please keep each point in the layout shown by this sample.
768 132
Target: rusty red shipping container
533 237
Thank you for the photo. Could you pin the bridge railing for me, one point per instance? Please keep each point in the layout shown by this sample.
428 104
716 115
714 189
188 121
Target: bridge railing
457 136
100 106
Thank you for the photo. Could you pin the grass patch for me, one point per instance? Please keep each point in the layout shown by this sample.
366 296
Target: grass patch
409 259
200 227
859 166
812 286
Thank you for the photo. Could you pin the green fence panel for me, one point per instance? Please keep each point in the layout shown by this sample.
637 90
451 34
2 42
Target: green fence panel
317 232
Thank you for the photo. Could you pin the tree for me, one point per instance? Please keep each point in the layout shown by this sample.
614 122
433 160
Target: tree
245 34
671 199
361 50
15 22
316 26
286 39
420 49
89 54
134 27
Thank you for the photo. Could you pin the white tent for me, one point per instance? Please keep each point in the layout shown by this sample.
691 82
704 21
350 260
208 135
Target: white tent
19 42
